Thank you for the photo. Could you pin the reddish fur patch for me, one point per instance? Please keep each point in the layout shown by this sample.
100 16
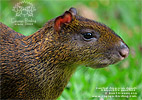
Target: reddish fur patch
59 21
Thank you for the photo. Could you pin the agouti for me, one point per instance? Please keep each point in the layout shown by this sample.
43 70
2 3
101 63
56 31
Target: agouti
39 66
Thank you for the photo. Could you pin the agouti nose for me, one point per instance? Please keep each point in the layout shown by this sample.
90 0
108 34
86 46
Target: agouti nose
124 51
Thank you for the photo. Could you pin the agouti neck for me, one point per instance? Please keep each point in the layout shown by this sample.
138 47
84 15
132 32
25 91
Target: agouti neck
57 73
47 65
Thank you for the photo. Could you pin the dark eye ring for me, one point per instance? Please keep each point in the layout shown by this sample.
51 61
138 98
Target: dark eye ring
87 35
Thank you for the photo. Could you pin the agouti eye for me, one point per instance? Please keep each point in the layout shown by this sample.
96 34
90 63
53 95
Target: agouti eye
88 35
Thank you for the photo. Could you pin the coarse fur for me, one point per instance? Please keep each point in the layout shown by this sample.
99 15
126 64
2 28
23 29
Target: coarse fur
39 66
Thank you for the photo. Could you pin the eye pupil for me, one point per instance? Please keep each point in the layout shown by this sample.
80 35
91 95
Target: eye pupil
88 35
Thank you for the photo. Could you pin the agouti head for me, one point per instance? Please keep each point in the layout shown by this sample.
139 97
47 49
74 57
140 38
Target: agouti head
88 42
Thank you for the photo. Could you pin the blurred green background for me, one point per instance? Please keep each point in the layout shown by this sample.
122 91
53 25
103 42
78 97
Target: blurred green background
123 16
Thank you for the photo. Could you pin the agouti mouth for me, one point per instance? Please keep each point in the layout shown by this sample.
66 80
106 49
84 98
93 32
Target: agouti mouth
98 66
102 65
114 58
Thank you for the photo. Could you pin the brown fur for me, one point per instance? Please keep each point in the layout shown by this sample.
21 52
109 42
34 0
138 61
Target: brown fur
39 66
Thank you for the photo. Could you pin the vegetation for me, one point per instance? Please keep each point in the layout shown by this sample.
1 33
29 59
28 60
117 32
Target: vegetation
123 16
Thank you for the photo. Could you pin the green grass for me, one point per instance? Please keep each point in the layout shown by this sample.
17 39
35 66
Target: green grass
123 16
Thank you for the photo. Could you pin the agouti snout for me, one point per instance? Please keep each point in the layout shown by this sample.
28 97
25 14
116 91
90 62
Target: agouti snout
39 66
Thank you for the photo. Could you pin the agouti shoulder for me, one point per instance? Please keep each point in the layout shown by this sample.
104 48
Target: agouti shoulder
40 65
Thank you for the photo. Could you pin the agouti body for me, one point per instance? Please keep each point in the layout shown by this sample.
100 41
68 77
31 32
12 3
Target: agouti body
40 65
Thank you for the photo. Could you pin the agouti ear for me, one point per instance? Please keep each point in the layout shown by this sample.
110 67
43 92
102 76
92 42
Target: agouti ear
67 17
63 19
73 11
